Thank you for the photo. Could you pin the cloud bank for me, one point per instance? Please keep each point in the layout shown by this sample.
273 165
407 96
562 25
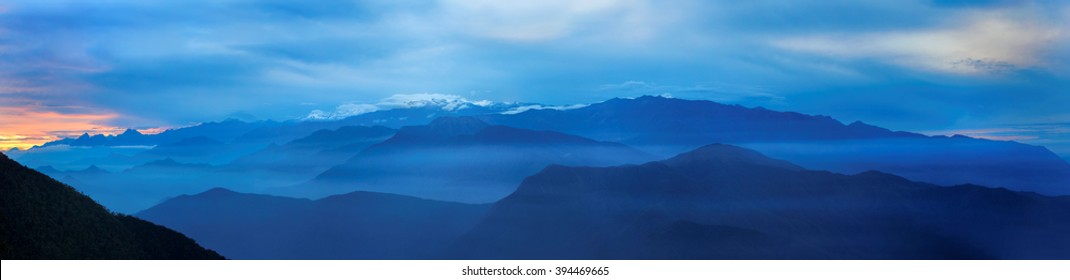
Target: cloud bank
446 102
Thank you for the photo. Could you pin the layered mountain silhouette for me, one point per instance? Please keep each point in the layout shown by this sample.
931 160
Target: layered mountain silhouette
267 131
652 121
238 137
41 218
177 172
224 131
316 152
358 225
199 149
462 159
656 125
666 126
137 188
715 202
588 188
726 202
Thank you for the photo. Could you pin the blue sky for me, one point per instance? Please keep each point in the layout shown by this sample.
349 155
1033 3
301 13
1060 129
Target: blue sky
996 69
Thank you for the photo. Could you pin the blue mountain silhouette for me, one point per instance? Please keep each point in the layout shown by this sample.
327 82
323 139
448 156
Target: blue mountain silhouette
358 225
462 159
726 202
666 126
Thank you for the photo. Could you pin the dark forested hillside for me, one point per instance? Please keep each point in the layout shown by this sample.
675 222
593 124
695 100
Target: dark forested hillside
41 218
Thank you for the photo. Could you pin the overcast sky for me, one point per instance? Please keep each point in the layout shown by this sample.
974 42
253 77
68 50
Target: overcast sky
996 69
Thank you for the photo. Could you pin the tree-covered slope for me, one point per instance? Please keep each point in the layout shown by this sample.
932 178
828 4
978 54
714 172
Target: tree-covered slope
41 218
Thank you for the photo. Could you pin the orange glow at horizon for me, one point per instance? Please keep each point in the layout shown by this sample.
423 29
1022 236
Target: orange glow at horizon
25 127
154 130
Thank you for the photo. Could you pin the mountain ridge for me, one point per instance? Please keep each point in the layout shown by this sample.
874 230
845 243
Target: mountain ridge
461 159
355 225
688 209
668 126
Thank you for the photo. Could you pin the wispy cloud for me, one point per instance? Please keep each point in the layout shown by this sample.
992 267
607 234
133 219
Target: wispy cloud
342 111
526 108
972 42
539 21
446 101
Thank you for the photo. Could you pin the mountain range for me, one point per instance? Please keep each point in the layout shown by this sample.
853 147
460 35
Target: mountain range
462 159
478 154
128 149
716 202
138 187
666 126
268 131
313 154
726 202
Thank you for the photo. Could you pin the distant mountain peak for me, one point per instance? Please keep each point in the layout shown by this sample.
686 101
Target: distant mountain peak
47 169
163 162
723 154
447 104
93 168
217 191
131 132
